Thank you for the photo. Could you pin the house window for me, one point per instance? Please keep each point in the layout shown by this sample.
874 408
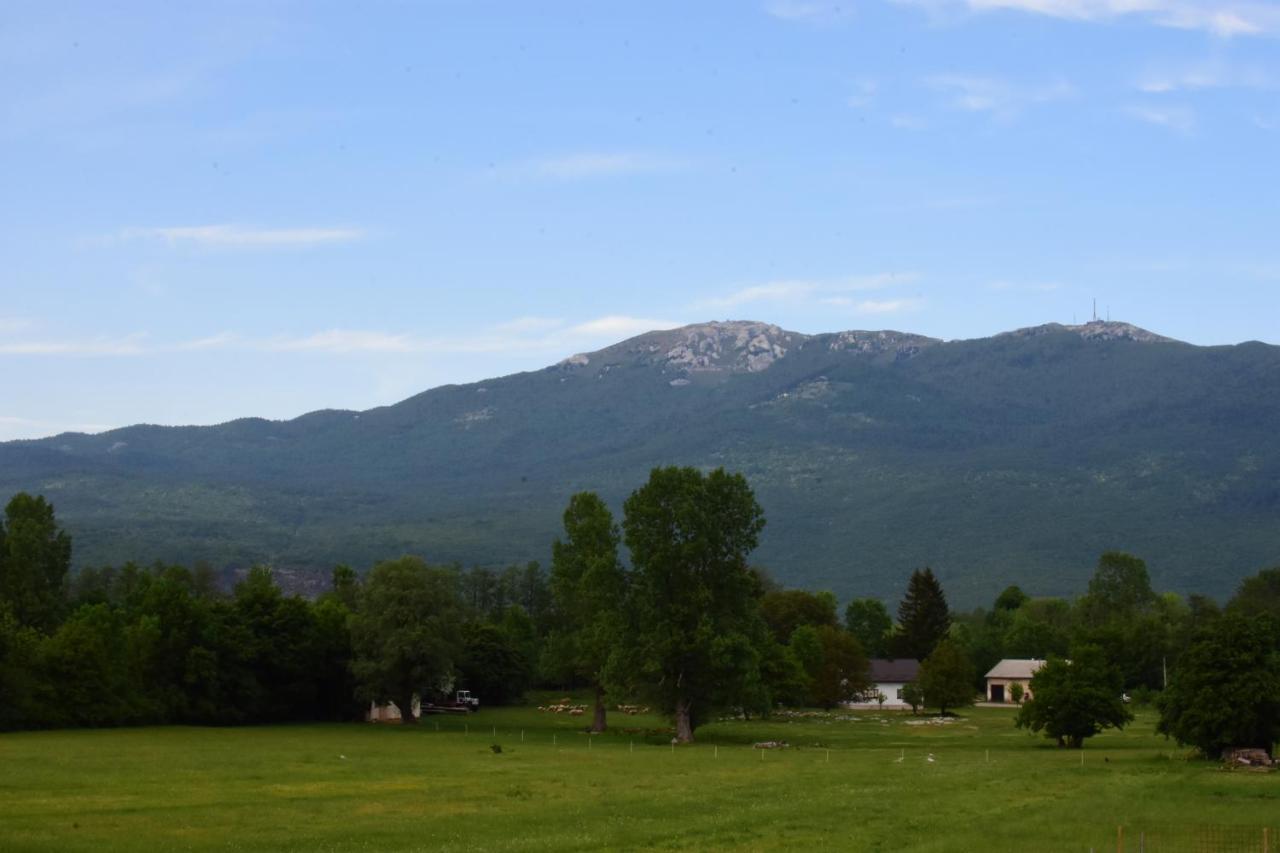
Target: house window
897 694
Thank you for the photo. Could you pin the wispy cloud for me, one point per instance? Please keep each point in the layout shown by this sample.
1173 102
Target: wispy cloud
997 97
1023 286
1179 118
523 334
802 290
874 306
1203 76
864 93
809 11
906 121
13 427
9 325
602 164
242 237
132 345
1223 18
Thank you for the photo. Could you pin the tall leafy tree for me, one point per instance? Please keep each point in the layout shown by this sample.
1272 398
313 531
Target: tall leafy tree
1258 595
844 672
35 554
923 616
868 620
1120 587
1225 691
1075 699
588 586
695 623
946 677
405 634
785 610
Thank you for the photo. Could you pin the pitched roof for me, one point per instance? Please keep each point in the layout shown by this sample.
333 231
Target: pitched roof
894 670
1015 668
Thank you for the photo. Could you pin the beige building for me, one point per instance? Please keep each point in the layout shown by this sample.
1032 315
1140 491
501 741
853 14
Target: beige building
1008 672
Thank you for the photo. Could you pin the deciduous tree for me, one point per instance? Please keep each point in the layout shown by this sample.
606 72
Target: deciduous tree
695 625
405 634
946 677
588 588
1075 699
35 554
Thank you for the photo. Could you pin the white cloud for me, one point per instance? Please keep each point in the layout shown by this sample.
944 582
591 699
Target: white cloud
1179 118
616 325
905 121
800 290
603 164
864 93
1000 98
1208 75
1223 18
874 306
12 427
89 347
1026 286
810 11
243 237
9 325
523 334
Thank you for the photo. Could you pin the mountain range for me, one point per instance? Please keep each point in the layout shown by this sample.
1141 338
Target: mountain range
1017 458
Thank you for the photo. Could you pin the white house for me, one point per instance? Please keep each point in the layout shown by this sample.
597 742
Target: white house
1009 672
888 677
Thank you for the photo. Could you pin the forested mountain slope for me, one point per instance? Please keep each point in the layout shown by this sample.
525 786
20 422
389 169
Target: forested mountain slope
1017 458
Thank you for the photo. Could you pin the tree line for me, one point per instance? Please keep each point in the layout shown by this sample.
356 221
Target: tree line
686 623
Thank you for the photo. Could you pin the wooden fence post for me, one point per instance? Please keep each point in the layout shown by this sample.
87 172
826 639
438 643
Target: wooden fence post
1120 839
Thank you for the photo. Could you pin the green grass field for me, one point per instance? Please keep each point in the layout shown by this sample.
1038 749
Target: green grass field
850 785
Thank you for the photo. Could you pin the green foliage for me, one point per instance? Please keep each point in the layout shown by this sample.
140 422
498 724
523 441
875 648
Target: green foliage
588 588
913 695
868 620
946 677
923 616
843 673
405 635
785 610
1076 699
1010 599
35 555
694 620
1120 588
491 666
1258 595
1225 691
1016 692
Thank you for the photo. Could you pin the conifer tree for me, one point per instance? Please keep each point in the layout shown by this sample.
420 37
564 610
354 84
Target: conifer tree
923 616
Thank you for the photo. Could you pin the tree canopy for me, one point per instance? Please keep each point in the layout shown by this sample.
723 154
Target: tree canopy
405 636
588 587
1225 691
946 677
35 556
1075 699
923 616
694 624
868 620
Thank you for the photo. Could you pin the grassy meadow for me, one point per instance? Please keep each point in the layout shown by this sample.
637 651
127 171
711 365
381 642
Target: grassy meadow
854 784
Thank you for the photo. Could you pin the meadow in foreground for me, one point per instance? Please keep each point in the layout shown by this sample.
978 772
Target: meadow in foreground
865 783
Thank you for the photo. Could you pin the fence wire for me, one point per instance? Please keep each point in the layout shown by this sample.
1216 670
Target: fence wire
1194 838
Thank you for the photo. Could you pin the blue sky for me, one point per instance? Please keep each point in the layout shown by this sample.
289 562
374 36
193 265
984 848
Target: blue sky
229 209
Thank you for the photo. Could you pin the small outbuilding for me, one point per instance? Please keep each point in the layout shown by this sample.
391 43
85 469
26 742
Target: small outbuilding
1009 672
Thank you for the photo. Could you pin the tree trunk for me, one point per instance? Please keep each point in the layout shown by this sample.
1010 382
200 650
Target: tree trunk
598 723
684 721
405 704
1077 742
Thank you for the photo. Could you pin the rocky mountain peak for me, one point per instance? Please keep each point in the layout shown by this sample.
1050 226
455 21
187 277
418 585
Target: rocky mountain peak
733 345
1096 330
